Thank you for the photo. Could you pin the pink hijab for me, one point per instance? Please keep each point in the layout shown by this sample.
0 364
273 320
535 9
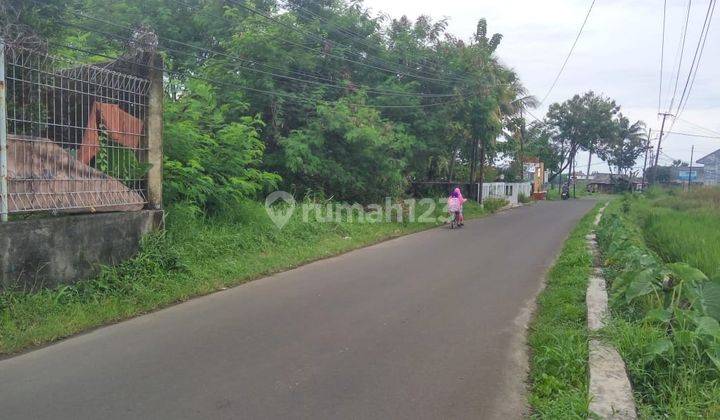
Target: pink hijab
459 195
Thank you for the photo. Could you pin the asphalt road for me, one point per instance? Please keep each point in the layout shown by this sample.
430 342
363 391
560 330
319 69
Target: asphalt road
430 325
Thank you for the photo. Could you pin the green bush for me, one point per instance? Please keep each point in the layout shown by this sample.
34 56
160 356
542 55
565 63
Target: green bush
666 323
212 156
492 205
524 199
348 152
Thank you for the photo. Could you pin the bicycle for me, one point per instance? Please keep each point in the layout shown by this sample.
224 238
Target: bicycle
455 222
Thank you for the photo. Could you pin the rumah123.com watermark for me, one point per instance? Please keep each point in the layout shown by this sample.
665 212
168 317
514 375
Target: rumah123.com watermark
280 207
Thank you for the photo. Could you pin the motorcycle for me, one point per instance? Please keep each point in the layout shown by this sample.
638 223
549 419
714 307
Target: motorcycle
565 194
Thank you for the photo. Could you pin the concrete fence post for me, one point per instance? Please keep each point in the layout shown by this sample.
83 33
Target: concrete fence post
155 133
4 193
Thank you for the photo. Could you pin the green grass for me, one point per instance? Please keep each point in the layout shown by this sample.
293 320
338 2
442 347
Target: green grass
681 382
680 385
684 227
195 256
553 193
558 335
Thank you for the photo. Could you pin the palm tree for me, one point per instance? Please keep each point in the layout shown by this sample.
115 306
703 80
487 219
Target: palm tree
625 145
499 97
514 100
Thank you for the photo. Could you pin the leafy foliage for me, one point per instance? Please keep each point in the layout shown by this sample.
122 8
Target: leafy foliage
594 123
209 161
428 105
667 321
624 146
347 150
492 205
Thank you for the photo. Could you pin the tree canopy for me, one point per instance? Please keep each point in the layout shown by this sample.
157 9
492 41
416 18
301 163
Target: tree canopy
594 123
319 95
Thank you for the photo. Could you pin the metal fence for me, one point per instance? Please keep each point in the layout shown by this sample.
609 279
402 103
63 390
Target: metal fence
75 137
505 190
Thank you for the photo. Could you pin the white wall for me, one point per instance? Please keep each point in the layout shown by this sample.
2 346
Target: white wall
505 190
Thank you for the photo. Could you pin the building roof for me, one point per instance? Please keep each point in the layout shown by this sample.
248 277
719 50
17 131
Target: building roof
708 159
611 179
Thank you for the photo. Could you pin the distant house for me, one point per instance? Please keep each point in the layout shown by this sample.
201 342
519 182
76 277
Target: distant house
711 168
600 176
677 175
681 174
609 183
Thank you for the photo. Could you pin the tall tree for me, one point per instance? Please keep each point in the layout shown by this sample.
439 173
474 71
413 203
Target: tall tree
582 122
622 149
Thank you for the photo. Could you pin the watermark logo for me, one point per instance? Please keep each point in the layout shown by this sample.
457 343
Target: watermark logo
280 214
280 207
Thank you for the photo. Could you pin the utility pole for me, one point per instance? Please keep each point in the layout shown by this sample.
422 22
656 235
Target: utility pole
574 176
522 141
4 192
647 150
155 133
662 131
692 155
587 175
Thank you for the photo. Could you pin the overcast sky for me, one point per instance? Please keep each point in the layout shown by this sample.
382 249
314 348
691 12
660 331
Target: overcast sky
618 54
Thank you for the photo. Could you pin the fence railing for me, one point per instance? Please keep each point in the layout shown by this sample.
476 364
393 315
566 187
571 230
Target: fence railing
505 190
75 136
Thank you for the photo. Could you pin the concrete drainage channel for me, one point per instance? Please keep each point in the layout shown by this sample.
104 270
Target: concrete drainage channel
610 391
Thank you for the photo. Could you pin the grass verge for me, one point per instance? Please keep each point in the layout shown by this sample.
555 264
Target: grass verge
558 336
195 256
665 311
683 227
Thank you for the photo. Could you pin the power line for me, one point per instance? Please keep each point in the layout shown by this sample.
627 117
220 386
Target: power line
577 38
695 55
701 47
201 49
125 27
662 55
323 40
255 70
245 67
693 135
252 89
355 37
698 126
352 36
532 115
311 49
682 53
668 156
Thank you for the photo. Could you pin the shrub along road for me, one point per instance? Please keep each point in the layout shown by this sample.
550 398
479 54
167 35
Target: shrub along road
425 326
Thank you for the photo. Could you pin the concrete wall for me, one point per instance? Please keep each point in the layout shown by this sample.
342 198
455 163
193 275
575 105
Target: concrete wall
506 190
55 250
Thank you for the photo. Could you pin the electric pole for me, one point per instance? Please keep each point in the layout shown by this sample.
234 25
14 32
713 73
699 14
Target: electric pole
522 141
576 178
692 155
647 150
662 131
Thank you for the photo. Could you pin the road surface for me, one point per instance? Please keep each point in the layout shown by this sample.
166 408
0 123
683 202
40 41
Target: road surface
430 325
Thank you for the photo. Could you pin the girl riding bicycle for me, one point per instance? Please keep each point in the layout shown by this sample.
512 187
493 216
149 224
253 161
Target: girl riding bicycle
455 205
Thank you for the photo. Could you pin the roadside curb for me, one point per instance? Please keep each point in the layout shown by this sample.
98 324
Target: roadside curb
610 392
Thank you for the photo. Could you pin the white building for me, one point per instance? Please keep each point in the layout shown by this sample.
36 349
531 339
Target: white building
712 167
